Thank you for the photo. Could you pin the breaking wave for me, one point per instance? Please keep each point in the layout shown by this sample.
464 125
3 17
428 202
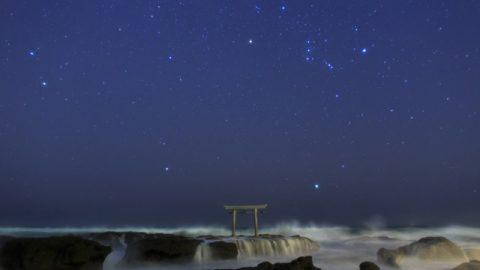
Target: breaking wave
251 247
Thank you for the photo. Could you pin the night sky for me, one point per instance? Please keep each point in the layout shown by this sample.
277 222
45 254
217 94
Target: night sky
156 113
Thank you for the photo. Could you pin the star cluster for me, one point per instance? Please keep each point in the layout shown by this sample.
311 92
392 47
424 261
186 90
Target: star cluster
300 104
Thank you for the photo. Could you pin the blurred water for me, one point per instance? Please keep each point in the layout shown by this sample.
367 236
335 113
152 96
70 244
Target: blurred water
341 248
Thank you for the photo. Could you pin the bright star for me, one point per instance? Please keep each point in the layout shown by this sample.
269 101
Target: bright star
170 58
363 50
316 186
250 41
31 53
329 65
337 95
43 84
166 169
283 8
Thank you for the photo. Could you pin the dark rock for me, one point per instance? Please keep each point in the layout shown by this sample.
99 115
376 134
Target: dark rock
428 248
168 248
389 257
369 266
4 238
52 253
161 248
472 265
301 263
111 238
223 250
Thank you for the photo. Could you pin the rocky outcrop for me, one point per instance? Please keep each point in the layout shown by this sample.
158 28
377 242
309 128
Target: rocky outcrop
52 253
4 238
223 250
369 266
301 263
136 249
472 265
161 248
167 248
428 248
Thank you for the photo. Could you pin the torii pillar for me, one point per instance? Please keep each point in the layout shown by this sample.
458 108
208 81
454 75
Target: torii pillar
254 209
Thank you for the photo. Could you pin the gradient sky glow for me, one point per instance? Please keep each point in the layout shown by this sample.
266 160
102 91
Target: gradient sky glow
158 112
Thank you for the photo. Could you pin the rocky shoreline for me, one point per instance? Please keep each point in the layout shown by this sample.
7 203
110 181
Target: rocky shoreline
90 251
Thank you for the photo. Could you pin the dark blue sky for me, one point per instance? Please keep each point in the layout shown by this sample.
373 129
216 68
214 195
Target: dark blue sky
158 112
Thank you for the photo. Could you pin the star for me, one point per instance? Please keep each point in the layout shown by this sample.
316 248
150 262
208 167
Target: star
329 65
250 41
44 84
316 186
166 169
32 53
283 8
170 58
363 50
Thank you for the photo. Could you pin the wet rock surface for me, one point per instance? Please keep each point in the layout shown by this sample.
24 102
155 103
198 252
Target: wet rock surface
472 265
428 248
52 253
4 238
223 250
161 248
88 251
301 263
368 266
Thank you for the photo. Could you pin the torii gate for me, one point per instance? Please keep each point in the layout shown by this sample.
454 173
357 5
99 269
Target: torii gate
244 209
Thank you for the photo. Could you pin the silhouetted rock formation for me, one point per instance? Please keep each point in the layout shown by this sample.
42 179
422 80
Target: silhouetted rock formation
301 263
369 266
90 250
168 248
428 248
161 248
472 265
107 238
223 250
52 253
4 238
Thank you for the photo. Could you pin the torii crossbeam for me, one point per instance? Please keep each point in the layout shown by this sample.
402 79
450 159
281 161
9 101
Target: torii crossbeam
234 209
